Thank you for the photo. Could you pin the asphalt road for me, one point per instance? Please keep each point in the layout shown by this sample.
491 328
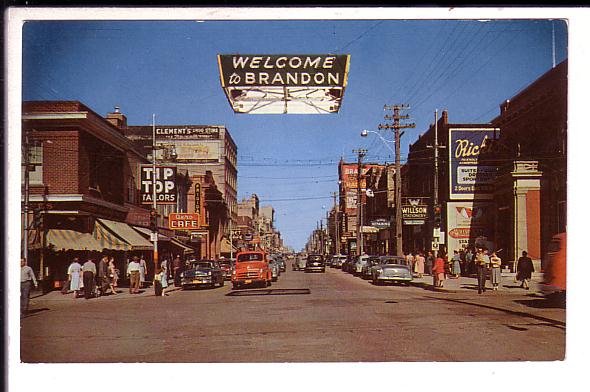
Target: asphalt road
318 317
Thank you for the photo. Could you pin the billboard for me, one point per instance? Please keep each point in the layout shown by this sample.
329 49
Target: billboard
165 182
281 84
467 178
184 132
467 220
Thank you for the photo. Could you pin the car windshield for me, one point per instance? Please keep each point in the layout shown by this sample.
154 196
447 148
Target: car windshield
315 258
393 261
250 257
202 265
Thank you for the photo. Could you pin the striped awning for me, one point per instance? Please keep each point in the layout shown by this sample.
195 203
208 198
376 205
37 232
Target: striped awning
70 239
148 233
108 239
127 234
185 249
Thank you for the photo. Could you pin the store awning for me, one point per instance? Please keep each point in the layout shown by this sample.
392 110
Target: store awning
127 234
75 240
148 233
184 248
226 246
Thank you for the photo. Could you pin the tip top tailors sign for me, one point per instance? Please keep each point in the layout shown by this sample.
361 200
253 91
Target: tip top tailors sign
468 178
414 210
165 182
281 84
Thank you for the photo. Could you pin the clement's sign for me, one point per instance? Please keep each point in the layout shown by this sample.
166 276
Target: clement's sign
283 70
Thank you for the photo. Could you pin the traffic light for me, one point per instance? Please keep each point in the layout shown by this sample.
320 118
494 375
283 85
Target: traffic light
153 219
437 216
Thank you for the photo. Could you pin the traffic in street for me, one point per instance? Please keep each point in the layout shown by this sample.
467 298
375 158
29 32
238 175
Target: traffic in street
330 316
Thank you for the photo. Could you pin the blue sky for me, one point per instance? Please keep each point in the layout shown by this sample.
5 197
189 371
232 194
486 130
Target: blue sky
169 68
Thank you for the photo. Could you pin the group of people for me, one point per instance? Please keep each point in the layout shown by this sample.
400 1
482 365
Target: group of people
464 262
91 276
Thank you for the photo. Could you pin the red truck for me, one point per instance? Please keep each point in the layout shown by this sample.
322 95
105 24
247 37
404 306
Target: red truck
251 268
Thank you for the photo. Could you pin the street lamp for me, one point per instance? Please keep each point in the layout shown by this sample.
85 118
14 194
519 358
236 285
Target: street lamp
365 133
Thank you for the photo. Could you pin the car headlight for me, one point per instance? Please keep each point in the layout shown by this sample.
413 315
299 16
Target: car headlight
182 274
379 270
209 273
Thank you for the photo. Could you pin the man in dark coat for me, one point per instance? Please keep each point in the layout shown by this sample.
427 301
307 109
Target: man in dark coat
525 269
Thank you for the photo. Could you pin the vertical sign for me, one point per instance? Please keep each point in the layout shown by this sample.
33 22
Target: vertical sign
198 198
467 220
165 184
467 178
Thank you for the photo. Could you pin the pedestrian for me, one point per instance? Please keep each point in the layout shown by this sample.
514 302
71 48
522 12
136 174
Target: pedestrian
495 264
113 275
482 261
438 271
469 261
133 272
420 264
160 282
27 279
410 261
176 269
102 274
88 273
142 272
164 268
456 264
525 269
75 276
429 263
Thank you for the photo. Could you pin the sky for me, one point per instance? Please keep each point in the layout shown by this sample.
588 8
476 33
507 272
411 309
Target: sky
169 68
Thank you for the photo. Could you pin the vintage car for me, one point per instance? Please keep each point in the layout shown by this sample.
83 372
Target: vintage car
251 268
315 263
372 261
359 263
391 269
226 266
274 269
202 273
299 263
337 261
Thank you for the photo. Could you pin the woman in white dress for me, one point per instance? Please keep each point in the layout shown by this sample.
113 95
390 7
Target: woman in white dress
74 273
142 269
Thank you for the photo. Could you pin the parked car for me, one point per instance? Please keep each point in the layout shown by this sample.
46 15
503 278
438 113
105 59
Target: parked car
348 264
366 269
392 269
202 273
359 263
315 263
338 260
282 264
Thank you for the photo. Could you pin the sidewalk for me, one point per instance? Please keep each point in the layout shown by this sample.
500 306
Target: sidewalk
122 293
508 284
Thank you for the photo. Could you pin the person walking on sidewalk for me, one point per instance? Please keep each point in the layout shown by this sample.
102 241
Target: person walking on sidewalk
429 263
133 272
88 272
438 271
495 264
142 271
456 265
176 269
419 266
74 276
482 261
525 269
113 275
102 274
27 279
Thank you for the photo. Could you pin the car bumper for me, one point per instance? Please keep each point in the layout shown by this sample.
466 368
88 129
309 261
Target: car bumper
196 281
312 269
394 279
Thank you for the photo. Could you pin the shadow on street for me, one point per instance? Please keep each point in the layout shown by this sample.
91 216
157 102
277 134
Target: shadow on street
33 312
245 293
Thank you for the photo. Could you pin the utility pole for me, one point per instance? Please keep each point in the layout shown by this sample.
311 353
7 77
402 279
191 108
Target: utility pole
155 203
26 202
336 226
396 126
435 205
361 152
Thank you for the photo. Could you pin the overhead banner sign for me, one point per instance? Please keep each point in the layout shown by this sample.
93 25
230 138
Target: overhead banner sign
283 70
468 179
414 210
165 182
283 84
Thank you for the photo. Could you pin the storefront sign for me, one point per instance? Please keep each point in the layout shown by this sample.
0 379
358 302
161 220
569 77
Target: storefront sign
166 132
165 182
414 210
466 221
380 223
183 221
283 70
468 179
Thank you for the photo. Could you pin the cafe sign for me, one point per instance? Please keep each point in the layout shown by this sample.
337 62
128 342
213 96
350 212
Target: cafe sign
183 221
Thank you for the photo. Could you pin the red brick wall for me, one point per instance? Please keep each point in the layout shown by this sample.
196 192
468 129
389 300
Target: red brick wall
533 218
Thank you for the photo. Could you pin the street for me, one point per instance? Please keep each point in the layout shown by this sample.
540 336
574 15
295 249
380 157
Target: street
303 317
